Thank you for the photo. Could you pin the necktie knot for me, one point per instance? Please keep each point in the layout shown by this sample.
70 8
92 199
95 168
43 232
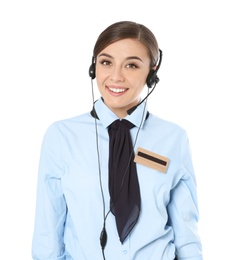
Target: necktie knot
121 123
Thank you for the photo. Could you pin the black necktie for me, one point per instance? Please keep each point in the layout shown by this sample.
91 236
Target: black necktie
124 188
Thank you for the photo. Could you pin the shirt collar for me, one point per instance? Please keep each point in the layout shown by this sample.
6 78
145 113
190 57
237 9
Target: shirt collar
106 116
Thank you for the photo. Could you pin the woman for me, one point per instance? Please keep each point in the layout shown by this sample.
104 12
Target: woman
117 182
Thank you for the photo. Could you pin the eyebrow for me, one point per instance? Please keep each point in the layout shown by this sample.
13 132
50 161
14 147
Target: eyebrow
128 58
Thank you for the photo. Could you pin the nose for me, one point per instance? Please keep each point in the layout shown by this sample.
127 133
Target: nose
117 74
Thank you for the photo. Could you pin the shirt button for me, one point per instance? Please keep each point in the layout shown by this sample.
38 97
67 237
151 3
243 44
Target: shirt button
124 252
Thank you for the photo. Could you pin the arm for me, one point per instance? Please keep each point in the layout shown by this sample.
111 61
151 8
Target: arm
51 208
183 209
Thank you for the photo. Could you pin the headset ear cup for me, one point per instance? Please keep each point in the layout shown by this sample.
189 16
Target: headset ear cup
152 78
92 70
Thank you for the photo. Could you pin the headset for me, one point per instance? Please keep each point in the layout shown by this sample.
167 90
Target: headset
151 81
152 78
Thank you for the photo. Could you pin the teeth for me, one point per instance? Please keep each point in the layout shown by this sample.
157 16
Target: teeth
117 90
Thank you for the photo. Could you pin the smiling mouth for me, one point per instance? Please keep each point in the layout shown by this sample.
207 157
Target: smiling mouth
117 90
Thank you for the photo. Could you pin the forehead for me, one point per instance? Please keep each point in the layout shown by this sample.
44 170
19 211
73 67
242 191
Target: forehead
126 48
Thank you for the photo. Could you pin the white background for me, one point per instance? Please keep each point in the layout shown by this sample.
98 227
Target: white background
45 53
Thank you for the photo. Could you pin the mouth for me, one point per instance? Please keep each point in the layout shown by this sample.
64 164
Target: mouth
116 90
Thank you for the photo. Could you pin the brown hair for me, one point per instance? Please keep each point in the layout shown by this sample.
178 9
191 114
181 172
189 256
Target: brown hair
124 30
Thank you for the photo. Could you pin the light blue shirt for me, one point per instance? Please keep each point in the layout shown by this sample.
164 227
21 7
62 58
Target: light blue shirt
69 212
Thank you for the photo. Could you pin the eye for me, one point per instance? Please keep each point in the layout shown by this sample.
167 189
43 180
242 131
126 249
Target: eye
105 62
132 66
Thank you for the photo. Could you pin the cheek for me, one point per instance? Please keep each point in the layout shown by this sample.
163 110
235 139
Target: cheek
144 78
139 87
99 79
139 84
138 79
99 75
100 86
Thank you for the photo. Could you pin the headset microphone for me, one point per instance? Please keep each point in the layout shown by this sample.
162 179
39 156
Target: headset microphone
132 109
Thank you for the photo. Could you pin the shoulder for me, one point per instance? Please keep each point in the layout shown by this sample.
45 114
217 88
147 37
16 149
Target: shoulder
64 126
160 124
75 120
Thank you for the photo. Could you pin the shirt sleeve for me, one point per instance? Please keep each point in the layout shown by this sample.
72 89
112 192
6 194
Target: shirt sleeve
51 208
183 209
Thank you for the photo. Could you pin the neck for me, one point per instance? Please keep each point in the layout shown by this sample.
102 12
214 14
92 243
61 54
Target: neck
122 112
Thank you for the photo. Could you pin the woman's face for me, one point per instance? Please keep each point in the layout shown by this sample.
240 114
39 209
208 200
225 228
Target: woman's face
121 73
